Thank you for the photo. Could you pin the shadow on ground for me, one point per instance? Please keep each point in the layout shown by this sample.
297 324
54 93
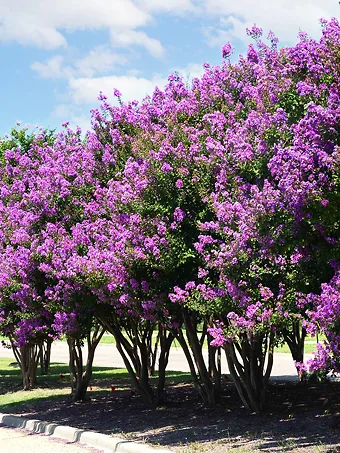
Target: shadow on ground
299 418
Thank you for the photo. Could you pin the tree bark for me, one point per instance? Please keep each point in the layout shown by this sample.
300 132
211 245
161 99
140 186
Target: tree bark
29 355
138 354
295 340
206 378
248 371
45 356
165 345
80 376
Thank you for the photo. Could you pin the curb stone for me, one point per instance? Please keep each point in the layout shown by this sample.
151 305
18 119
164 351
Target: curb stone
90 438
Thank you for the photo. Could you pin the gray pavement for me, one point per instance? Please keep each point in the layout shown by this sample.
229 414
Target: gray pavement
14 440
61 439
107 355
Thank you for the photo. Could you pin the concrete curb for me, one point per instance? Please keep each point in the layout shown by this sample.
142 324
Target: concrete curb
91 438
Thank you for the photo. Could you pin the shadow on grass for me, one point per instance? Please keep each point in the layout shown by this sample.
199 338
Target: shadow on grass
56 384
57 377
298 419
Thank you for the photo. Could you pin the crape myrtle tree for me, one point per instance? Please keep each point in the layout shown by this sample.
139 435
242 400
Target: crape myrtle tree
74 172
178 175
235 137
306 171
278 147
307 175
131 310
24 318
169 174
87 256
23 138
321 226
115 251
78 324
43 186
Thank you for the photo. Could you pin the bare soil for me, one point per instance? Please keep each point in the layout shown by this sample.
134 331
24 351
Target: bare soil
299 418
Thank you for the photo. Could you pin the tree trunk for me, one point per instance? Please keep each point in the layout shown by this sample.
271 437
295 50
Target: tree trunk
138 354
295 340
45 356
29 355
165 345
80 376
206 379
248 370
72 363
214 355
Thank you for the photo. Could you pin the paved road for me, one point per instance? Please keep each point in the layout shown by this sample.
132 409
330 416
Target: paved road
14 440
107 355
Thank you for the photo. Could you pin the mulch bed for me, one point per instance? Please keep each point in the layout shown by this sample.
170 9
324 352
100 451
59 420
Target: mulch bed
299 418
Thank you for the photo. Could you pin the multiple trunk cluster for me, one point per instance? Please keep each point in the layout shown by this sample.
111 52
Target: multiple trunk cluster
145 350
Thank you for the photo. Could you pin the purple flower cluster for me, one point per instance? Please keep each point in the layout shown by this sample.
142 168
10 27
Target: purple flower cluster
220 197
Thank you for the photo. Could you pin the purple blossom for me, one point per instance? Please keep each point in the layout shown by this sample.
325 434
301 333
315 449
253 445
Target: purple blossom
179 215
179 183
227 50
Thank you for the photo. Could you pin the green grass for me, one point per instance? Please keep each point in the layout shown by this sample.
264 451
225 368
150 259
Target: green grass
309 348
56 383
12 399
108 339
53 385
310 344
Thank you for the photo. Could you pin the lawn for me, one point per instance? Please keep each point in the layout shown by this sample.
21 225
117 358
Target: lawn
56 383
310 343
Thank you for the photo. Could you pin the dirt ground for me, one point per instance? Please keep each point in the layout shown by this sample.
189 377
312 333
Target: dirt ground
300 418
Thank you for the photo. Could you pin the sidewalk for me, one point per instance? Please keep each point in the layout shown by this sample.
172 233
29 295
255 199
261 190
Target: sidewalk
14 440
107 355
20 433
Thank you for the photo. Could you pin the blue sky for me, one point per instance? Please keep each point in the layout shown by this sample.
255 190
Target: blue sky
57 55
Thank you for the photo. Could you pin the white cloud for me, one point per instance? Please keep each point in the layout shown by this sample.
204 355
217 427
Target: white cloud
32 34
85 90
99 60
283 17
131 37
173 6
53 68
191 71
75 115
62 111
41 23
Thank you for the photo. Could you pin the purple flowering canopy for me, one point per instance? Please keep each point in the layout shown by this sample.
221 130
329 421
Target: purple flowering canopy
213 203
